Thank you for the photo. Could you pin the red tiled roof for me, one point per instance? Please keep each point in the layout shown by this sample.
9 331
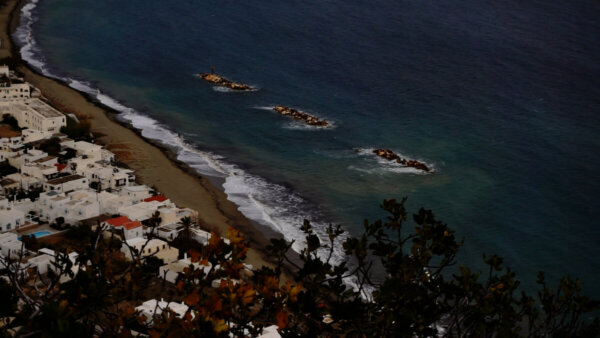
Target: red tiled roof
132 225
118 221
60 166
159 198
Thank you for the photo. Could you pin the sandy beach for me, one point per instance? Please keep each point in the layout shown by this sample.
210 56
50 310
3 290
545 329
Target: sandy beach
153 165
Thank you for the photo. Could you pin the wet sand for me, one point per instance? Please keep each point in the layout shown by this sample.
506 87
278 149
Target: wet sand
153 164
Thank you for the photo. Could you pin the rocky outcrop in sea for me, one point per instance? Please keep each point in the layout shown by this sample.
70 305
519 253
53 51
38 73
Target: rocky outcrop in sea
223 82
301 116
391 156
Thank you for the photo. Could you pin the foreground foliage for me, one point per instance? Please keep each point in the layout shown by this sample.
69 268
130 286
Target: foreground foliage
404 276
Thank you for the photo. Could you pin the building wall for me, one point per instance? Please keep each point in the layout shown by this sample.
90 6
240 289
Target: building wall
11 219
15 91
78 184
134 233
154 247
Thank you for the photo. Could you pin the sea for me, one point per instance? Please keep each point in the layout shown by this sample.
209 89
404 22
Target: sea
500 98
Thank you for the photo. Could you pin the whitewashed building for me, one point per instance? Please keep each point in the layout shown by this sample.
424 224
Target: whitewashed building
73 208
23 156
34 114
49 259
11 219
152 247
110 203
154 308
67 183
42 170
170 272
12 89
130 229
143 210
89 150
136 192
10 246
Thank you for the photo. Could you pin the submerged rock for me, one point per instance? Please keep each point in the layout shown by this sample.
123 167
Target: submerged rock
301 116
221 81
391 156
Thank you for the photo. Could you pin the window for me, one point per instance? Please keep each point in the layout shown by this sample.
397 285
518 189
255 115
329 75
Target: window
8 226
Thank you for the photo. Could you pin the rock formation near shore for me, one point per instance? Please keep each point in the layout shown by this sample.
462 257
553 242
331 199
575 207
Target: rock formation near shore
301 116
391 156
223 82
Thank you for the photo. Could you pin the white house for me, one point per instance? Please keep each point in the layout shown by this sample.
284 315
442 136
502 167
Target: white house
11 219
25 205
25 181
203 236
34 114
47 260
42 172
110 203
24 156
7 184
136 192
131 229
89 150
152 247
170 272
73 208
143 210
154 308
32 135
169 231
109 176
67 183
12 89
10 246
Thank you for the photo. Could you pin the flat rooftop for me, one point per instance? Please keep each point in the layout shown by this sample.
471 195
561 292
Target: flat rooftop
137 188
44 159
64 179
43 108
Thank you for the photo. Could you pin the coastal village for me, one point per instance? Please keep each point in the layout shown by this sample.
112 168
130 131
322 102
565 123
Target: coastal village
50 183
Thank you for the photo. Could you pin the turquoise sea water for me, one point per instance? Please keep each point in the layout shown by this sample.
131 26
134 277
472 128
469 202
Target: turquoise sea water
501 98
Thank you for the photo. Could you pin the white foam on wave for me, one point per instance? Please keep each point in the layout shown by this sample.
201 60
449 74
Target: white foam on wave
269 108
24 36
269 204
275 206
383 166
222 89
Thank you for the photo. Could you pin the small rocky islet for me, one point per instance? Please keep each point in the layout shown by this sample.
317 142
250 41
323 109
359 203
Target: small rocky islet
301 116
391 156
223 82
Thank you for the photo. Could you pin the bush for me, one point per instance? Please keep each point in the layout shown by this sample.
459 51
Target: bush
51 146
77 131
11 121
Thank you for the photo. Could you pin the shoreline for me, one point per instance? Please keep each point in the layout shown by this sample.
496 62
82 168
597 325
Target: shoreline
155 164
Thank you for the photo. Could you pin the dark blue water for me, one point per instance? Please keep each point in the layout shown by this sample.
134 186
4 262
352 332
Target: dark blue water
502 98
